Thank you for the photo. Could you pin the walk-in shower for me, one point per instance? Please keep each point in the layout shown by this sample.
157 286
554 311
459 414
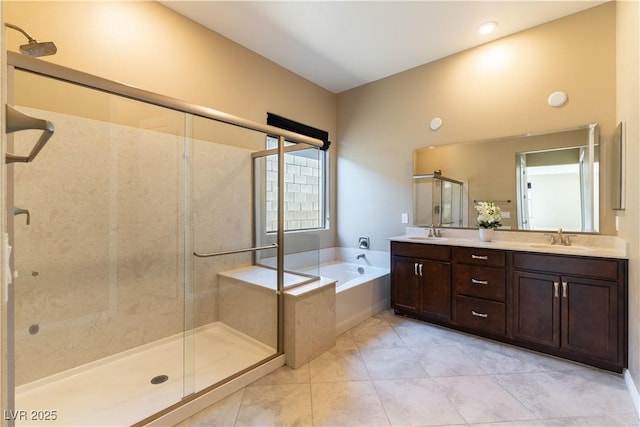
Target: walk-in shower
137 206
437 200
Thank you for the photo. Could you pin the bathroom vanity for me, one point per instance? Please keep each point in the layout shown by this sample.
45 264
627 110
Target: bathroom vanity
565 302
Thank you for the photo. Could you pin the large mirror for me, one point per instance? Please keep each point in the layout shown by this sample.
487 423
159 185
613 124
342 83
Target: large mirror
540 181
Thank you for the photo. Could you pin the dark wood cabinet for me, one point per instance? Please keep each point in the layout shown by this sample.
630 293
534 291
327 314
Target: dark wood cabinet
405 292
479 286
573 314
421 281
435 290
536 309
569 306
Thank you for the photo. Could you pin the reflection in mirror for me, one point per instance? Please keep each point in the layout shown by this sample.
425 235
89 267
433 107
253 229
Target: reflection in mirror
437 201
540 181
554 189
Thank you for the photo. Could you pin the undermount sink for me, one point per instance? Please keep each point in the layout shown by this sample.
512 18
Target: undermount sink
427 238
559 247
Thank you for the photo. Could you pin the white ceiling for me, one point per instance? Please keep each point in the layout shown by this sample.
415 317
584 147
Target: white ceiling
340 45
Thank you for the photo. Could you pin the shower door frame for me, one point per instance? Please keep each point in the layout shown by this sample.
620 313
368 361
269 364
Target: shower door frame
16 61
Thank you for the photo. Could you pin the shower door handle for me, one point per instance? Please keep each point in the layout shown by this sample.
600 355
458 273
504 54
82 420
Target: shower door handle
17 121
235 251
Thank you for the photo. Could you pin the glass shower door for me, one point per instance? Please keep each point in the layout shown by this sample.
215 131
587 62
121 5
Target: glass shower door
98 300
232 304
136 282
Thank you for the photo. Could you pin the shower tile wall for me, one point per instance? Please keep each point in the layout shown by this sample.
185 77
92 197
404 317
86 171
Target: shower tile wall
101 266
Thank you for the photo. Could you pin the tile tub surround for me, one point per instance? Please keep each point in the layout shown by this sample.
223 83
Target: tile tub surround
357 303
309 310
598 245
391 370
302 260
309 321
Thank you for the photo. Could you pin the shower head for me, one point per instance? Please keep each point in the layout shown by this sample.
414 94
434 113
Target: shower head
34 47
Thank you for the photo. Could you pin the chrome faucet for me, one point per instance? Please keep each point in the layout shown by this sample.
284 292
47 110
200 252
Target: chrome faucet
433 231
361 256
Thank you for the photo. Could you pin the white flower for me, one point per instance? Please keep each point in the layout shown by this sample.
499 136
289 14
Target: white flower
489 215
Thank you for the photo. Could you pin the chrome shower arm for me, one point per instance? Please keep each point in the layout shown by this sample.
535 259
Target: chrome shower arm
15 27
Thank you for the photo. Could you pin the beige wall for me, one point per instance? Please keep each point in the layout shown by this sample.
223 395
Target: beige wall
144 44
382 123
628 111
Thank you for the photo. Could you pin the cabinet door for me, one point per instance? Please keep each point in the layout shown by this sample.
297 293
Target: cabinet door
536 308
590 316
435 284
405 290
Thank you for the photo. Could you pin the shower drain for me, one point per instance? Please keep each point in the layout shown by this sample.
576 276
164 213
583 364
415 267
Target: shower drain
159 379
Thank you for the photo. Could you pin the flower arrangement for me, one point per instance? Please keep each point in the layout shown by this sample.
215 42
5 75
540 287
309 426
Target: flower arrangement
489 215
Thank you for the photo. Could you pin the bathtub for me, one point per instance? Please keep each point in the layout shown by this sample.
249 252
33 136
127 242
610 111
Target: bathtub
361 291
358 295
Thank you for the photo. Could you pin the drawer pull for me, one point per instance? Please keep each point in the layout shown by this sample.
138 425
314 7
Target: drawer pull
564 289
479 282
555 289
485 257
483 315
420 270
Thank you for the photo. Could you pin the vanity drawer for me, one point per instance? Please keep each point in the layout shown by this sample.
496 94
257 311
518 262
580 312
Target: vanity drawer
480 314
592 267
481 282
419 250
479 256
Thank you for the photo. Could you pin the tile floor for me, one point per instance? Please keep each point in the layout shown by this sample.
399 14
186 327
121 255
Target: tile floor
395 371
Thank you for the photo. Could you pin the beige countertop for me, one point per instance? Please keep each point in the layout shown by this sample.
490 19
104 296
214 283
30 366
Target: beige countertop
582 244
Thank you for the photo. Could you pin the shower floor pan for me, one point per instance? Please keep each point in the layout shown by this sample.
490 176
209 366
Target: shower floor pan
117 390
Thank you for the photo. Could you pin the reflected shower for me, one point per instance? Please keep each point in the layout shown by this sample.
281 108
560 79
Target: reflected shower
34 47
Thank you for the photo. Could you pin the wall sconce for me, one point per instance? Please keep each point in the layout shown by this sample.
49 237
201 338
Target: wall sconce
435 124
557 99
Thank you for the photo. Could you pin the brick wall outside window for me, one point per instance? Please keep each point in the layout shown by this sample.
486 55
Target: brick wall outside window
303 194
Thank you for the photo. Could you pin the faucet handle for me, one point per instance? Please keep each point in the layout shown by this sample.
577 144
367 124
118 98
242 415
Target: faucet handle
567 239
552 238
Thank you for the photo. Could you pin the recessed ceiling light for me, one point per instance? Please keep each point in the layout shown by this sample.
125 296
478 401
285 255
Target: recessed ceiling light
487 27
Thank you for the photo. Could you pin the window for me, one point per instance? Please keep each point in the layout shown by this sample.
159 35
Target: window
305 191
